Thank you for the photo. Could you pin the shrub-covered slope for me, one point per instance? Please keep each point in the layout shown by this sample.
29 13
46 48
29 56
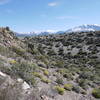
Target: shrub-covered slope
53 67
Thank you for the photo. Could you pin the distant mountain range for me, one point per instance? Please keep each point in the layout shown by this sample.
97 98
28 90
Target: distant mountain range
82 28
32 34
85 28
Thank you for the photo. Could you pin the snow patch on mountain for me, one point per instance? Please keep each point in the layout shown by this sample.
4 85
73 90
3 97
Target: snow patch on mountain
85 28
82 28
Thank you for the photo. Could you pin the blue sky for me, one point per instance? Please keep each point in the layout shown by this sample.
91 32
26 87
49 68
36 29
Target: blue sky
41 15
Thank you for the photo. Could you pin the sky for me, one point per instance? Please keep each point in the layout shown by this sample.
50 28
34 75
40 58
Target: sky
48 15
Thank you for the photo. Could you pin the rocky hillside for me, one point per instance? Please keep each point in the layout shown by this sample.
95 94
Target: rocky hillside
53 67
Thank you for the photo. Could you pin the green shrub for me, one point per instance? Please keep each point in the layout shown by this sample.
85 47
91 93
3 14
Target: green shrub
86 75
68 76
45 80
61 71
77 89
96 93
32 81
46 72
83 92
34 51
4 50
43 59
60 90
59 80
18 50
68 87
12 62
83 83
60 64
37 74
23 70
51 52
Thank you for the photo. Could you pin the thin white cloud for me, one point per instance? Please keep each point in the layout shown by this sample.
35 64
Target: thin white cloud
66 17
2 2
53 4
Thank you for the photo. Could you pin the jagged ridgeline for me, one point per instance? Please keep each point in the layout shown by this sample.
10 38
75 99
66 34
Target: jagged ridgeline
51 67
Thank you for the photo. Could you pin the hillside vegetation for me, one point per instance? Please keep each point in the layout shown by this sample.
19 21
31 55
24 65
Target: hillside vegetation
52 67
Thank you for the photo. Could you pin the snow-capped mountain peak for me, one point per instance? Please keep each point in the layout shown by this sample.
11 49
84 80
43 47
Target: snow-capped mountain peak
85 27
82 28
